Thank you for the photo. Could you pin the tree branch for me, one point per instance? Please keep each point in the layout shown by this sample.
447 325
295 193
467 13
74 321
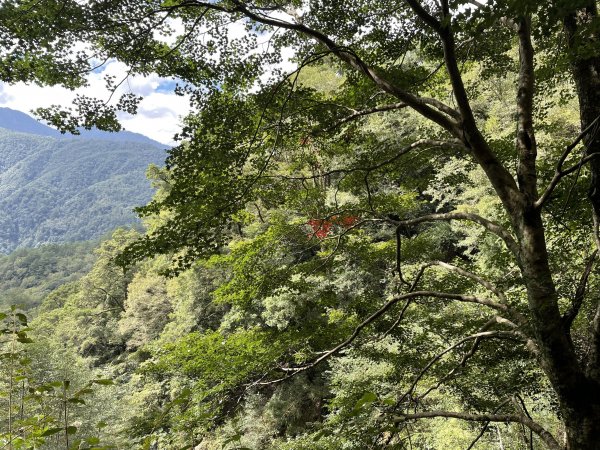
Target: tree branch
421 142
459 270
377 314
486 425
490 323
441 115
544 435
526 145
425 16
559 173
570 315
366 112
499 176
518 317
477 337
593 366
487 224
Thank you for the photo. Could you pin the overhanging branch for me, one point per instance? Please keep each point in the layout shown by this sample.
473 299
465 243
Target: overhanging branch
487 224
440 113
377 314
544 435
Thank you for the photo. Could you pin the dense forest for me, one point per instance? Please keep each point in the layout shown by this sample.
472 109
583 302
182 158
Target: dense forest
63 189
392 244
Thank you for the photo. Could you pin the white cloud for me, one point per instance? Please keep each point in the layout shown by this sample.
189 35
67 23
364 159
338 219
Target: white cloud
159 112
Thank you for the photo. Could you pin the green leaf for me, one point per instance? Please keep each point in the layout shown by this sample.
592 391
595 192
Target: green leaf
71 429
22 318
389 401
235 438
368 397
104 382
51 431
83 391
24 339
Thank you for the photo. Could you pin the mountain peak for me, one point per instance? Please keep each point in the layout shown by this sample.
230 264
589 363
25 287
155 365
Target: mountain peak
21 122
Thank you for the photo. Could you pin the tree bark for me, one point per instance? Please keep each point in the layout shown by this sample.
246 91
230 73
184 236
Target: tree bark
578 394
586 74
581 408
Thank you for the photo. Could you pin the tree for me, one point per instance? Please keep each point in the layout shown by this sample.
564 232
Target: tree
252 117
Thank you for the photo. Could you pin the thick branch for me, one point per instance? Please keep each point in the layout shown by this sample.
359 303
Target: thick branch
544 435
593 366
570 315
487 224
441 116
425 16
377 314
499 176
527 147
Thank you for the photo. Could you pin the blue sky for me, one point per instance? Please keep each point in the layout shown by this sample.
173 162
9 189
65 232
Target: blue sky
159 114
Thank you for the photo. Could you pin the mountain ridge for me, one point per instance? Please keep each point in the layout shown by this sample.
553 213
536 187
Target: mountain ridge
19 121
56 189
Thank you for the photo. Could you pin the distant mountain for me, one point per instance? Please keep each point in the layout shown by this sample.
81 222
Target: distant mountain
19 121
56 189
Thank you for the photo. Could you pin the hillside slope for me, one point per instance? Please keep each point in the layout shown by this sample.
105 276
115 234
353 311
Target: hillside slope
27 275
57 189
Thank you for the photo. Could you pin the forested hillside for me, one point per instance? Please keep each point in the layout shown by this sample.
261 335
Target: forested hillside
28 275
55 189
389 241
187 353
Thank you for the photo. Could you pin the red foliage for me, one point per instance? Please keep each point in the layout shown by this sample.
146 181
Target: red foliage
348 221
322 227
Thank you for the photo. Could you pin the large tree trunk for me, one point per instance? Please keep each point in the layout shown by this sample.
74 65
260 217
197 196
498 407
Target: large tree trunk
577 393
585 66
583 427
581 406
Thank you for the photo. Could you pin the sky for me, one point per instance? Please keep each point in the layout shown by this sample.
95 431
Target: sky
159 114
